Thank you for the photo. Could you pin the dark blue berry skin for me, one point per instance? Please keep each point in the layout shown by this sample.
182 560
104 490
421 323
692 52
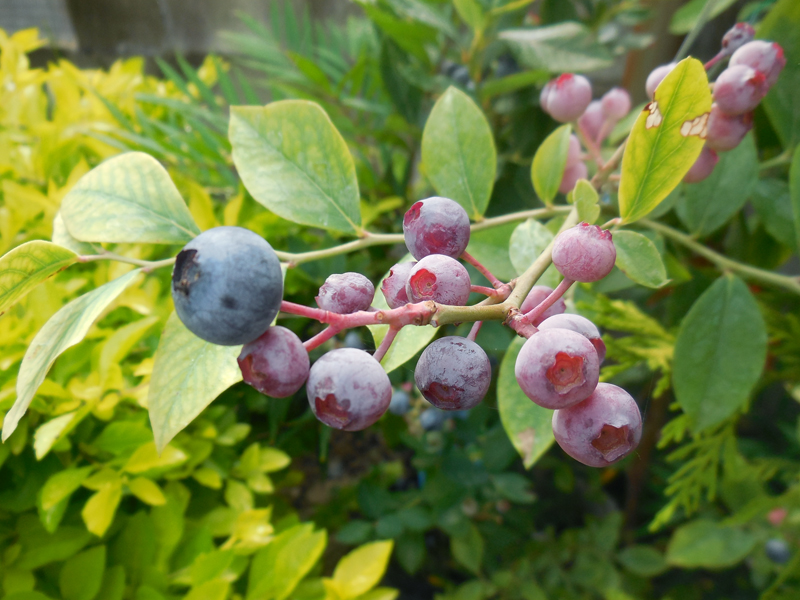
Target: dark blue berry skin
432 419
227 286
777 551
400 403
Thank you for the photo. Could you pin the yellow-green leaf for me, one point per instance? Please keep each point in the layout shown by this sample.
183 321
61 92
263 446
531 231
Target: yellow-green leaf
187 375
549 163
28 265
82 575
64 329
61 485
663 144
362 569
147 491
294 161
639 259
98 513
128 198
148 458
585 198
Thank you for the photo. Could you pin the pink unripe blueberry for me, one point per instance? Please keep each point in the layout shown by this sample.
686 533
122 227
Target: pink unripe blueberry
436 226
584 253
439 278
346 293
574 150
578 324
739 89
763 56
657 76
535 297
566 97
602 429
348 389
616 103
276 364
592 119
394 286
557 368
736 37
725 132
572 173
703 166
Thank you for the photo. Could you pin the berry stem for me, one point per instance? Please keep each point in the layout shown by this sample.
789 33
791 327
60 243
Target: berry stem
387 340
466 256
537 311
589 144
486 291
720 55
147 265
473 333
605 171
605 130
322 337
702 19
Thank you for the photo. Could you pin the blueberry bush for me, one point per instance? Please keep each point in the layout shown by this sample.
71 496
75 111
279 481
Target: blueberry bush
618 280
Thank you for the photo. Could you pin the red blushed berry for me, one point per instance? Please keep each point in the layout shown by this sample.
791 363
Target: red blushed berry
276 364
453 373
348 389
657 76
566 97
763 56
535 297
439 278
736 37
557 368
584 253
572 174
601 430
578 324
703 166
436 226
725 132
394 286
739 89
346 293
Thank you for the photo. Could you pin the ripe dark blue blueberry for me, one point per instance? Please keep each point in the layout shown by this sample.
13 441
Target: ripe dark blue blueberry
432 419
400 403
227 285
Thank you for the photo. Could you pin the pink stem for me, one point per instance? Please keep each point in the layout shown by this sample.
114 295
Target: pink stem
473 333
590 144
387 340
483 270
720 55
519 323
322 337
410 314
537 311
486 291
605 130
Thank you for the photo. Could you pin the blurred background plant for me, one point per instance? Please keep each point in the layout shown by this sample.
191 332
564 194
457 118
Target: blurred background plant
239 504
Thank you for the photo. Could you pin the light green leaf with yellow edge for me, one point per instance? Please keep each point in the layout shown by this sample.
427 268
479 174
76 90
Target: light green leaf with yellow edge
61 485
149 458
585 199
529 426
549 163
49 433
147 491
665 140
28 265
128 198
216 589
294 161
639 259
458 152
188 374
408 342
64 329
362 569
99 510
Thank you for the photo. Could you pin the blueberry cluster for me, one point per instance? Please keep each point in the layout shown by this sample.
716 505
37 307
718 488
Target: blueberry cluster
227 288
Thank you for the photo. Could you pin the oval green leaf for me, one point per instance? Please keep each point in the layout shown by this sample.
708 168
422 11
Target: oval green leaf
709 545
563 47
549 163
64 329
82 575
639 259
28 265
529 426
128 198
294 161
658 154
719 353
586 200
188 373
458 152
490 247
708 205
362 569
528 241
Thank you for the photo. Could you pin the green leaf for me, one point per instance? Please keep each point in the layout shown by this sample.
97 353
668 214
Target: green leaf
99 511
773 203
147 491
113 586
549 163
458 152
278 568
586 200
564 47
64 329
28 265
686 17
471 13
719 353
188 374
782 25
61 485
51 432
362 569
216 589
657 158
468 548
794 190
512 83
639 259
149 458
643 560
128 198
63 238
408 342
709 545
708 205
529 426
292 160
273 459
82 575
490 247
528 241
